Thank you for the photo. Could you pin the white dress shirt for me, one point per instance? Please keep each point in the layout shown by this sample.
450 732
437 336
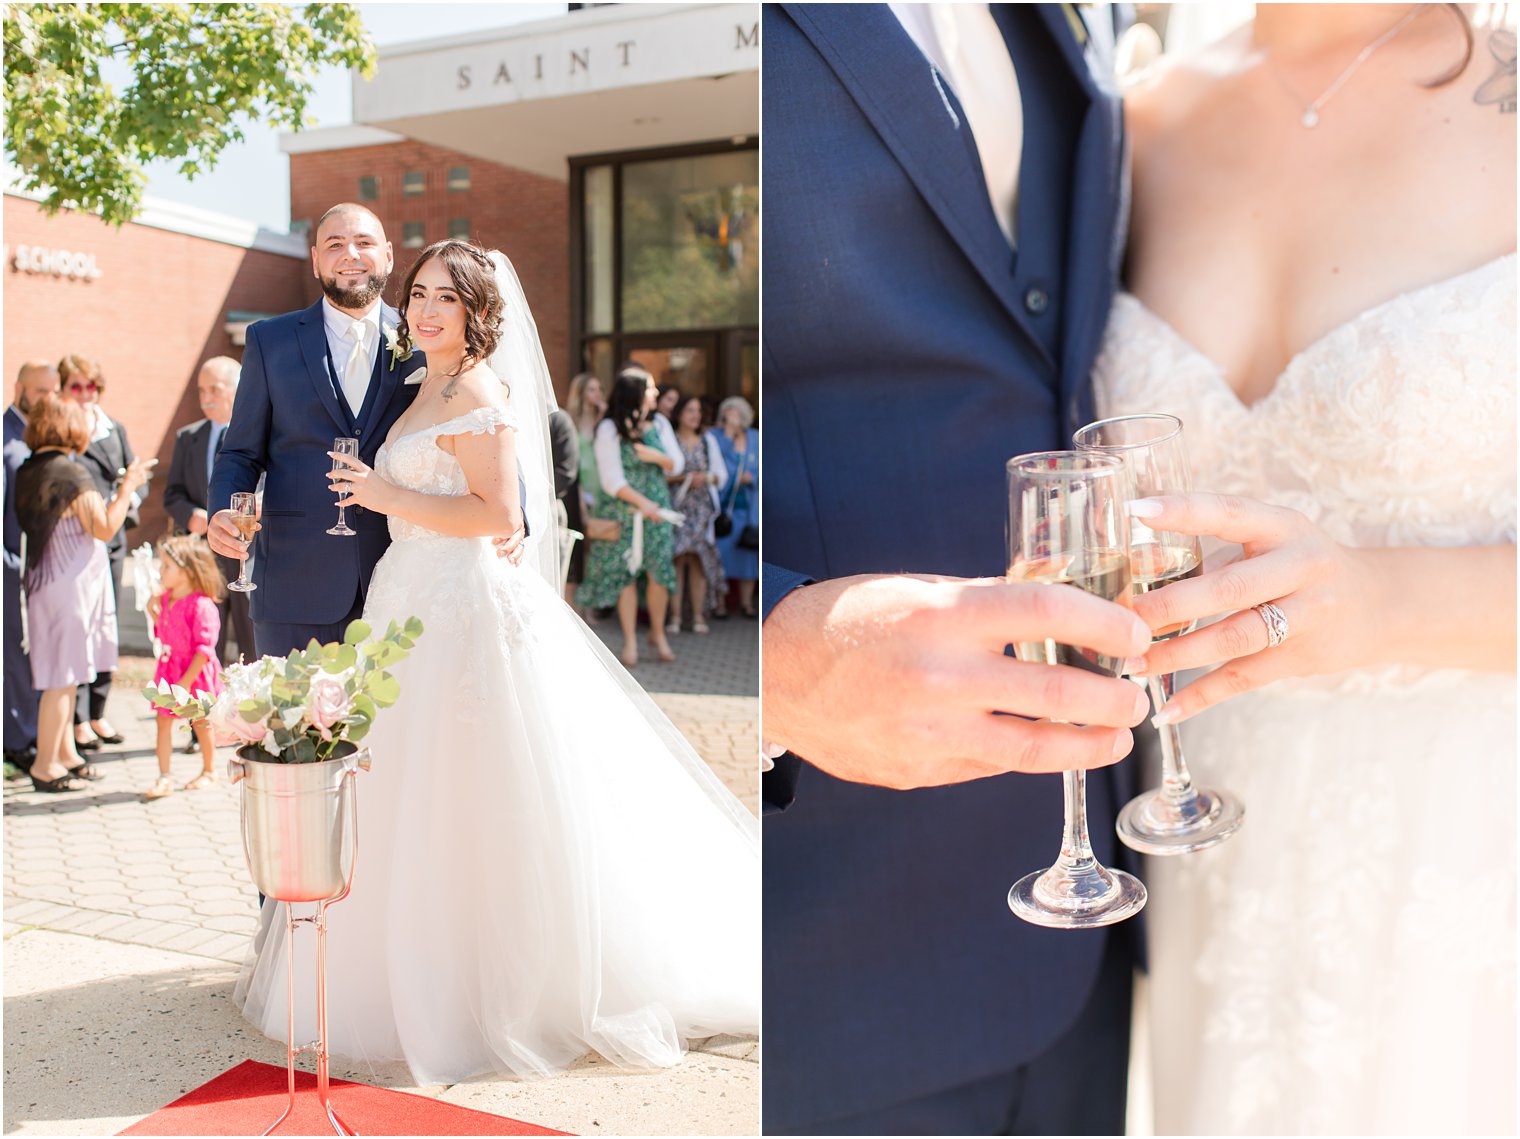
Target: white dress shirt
963 43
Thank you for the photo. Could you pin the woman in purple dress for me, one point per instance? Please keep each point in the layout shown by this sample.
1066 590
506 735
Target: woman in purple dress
69 604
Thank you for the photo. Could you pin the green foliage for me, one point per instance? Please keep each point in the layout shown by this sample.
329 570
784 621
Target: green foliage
199 70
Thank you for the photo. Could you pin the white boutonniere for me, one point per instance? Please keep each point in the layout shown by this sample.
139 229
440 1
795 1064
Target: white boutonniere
393 343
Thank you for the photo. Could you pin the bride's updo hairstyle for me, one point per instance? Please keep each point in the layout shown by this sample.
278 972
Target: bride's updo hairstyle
474 279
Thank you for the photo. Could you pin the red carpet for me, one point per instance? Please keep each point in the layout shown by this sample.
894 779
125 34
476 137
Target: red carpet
248 1098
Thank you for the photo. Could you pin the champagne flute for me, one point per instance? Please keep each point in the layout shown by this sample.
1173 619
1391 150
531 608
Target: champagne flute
1177 817
1066 525
343 447
245 516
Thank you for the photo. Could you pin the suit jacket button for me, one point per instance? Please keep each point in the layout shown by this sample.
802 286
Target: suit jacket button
1036 299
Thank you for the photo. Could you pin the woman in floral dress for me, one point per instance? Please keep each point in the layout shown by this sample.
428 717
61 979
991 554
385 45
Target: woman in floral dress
699 569
632 468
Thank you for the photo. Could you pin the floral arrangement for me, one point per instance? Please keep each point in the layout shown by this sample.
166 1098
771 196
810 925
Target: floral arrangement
314 704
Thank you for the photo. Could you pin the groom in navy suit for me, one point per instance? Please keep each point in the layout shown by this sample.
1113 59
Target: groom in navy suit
308 378
945 195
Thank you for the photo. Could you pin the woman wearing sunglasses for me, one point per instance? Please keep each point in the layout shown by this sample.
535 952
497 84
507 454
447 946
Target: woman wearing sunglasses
108 454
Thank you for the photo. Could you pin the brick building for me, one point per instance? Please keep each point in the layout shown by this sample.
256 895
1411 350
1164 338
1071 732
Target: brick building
424 193
151 301
612 153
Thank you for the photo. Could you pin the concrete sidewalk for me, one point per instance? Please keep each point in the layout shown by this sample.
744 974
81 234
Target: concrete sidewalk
125 923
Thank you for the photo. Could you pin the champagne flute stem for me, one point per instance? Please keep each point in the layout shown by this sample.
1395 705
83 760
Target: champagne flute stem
1176 783
1076 849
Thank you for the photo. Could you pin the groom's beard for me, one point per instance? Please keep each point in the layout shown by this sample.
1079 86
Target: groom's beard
355 298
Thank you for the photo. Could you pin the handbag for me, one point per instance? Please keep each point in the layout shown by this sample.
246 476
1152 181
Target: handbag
723 524
749 538
603 529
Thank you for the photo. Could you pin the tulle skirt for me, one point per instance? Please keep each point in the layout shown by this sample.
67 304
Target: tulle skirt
545 867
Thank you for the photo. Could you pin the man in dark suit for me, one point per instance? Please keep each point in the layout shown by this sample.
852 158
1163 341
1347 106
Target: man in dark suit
944 194
35 379
195 451
310 377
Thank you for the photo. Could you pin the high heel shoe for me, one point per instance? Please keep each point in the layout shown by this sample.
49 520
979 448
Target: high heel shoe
112 737
65 782
86 745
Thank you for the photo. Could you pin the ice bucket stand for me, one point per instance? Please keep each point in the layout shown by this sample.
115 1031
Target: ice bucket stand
303 836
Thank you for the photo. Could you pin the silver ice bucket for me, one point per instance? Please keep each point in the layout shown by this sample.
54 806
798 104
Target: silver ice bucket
300 826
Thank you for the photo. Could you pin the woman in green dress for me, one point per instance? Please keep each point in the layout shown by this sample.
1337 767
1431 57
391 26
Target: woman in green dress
631 469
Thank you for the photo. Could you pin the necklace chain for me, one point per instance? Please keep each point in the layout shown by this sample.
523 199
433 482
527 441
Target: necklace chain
1310 116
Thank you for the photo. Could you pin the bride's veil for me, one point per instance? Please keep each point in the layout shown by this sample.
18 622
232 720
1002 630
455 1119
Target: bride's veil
519 363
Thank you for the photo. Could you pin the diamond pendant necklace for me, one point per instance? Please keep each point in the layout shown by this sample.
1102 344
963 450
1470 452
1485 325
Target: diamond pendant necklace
1310 116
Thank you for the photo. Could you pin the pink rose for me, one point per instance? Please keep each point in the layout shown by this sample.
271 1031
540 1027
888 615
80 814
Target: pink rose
326 705
236 730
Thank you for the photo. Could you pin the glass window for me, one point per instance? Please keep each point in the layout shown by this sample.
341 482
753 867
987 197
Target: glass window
369 188
413 183
459 227
411 235
690 242
459 178
597 194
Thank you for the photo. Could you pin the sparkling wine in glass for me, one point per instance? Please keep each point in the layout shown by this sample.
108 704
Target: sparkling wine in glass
245 516
1066 526
1177 817
343 447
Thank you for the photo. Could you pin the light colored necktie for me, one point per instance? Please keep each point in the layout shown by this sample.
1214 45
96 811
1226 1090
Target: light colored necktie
356 374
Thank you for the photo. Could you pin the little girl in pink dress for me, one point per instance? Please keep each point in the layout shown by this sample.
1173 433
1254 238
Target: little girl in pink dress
187 623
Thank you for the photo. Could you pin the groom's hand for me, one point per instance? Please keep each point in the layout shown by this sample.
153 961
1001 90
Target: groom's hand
511 547
222 536
894 680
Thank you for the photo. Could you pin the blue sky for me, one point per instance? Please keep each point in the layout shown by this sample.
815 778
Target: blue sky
252 179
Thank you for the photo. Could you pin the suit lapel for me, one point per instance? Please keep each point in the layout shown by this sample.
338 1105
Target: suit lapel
311 333
1099 213
384 380
913 110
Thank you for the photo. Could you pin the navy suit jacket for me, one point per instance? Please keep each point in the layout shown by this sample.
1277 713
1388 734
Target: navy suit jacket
16 452
284 420
909 351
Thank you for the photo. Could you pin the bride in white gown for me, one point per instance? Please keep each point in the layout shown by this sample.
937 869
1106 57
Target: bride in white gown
1331 312
545 866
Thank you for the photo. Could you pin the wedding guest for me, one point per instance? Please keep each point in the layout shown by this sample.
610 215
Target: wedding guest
586 406
665 396
565 452
699 569
632 470
70 607
740 444
195 450
35 379
187 623
107 456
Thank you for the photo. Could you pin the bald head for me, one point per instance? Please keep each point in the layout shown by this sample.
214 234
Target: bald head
217 385
35 379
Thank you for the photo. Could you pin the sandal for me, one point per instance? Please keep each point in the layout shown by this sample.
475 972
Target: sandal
672 628
700 627
85 771
161 788
663 652
111 737
204 779
57 786
86 745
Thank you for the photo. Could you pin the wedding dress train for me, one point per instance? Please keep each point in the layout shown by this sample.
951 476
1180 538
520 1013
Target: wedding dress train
545 866
1346 963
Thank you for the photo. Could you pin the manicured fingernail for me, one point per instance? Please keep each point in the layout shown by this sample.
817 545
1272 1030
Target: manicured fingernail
1135 666
1144 508
1123 745
1167 715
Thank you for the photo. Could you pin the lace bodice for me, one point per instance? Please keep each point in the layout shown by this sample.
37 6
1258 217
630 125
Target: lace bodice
1396 428
415 461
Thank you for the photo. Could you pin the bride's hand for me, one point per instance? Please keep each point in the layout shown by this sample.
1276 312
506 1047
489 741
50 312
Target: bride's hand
1327 592
359 485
